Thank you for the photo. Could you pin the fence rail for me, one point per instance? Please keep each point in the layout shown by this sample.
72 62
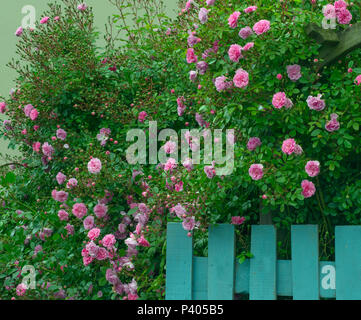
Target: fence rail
219 276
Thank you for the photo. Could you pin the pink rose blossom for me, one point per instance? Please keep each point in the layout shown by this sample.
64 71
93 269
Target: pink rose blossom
143 242
19 31
316 103
189 223
288 146
308 188
250 9
179 210
344 16
108 241
82 7
60 196
36 146
235 52
279 100
191 57
253 143
142 115
256 171
61 134
72 183
94 165
88 223
188 164
333 124
79 210
329 11
245 32
60 178
238 220
261 27
248 46
93 233
100 210
170 165
203 15
63 215
210 171
2 107
294 72
27 109
33 114
181 106
44 20
340 5
312 168
192 75
47 149
21 289
241 78
69 228
170 147
298 150
221 83
233 19
202 67
210 2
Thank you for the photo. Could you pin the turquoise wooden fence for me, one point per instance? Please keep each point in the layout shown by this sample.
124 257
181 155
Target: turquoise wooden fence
263 277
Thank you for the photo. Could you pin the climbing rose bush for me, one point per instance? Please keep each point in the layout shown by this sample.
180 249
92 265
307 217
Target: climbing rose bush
93 225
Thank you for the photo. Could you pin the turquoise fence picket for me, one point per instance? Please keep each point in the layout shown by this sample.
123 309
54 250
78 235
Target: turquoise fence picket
305 268
179 257
262 280
219 276
348 262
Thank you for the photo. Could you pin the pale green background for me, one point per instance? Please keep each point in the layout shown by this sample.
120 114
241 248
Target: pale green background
10 19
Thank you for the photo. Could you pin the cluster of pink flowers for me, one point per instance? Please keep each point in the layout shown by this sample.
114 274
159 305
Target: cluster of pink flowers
181 105
189 222
31 112
238 220
338 10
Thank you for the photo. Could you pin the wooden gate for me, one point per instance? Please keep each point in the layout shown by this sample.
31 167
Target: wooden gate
219 276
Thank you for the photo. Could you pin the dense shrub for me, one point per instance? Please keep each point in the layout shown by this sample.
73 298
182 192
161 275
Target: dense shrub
296 139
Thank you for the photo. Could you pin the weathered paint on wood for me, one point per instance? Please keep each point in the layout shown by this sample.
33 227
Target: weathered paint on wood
348 262
221 266
179 263
262 279
200 278
305 263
